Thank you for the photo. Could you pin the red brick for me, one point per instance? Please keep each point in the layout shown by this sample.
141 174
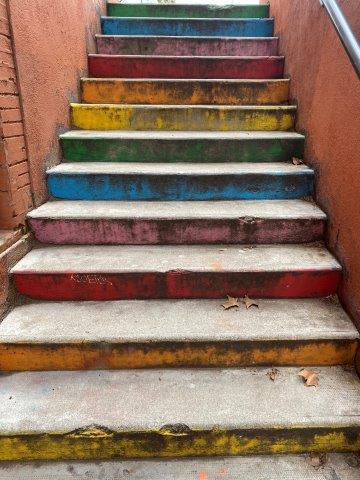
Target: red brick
5 44
15 149
11 115
4 27
12 129
9 101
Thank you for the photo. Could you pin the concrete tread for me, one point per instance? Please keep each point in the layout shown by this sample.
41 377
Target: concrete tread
180 135
161 259
175 321
265 467
136 168
198 37
180 57
269 209
60 402
221 108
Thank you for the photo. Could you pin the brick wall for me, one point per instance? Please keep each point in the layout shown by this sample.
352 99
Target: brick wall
15 191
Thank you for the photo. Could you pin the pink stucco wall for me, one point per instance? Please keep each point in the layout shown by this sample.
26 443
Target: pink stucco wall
327 91
51 39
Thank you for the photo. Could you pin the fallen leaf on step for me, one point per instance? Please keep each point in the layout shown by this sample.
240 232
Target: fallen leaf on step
311 378
317 460
249 302
334 299
230 302
274 372
297 161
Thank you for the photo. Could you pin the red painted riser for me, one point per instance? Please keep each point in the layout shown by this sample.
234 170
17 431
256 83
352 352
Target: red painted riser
153 232
177 284
113 66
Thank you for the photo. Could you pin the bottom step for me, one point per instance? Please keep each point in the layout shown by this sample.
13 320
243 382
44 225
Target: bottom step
176 413
335 466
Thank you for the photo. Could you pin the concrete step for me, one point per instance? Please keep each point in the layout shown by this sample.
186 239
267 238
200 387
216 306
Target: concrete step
175 333
186 46
179 181
176 413
137 272
119 222
341 466
168 146
115 9
188 27
149 66
182 117
189 92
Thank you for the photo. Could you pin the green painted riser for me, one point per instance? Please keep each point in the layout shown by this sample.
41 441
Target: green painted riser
188 11
180 151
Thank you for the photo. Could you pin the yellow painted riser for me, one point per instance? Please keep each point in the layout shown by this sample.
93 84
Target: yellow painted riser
102 445
148 92
100 117
82 357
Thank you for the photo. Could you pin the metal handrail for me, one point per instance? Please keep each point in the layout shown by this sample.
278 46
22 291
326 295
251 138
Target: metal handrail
344 32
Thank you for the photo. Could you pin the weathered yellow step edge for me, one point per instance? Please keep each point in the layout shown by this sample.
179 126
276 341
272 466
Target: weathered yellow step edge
99 443
102 355
159 117
180 92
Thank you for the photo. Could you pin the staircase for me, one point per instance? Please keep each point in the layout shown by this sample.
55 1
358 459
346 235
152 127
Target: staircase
181 184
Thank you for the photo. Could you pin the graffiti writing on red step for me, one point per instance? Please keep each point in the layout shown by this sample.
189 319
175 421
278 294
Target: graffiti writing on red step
90 278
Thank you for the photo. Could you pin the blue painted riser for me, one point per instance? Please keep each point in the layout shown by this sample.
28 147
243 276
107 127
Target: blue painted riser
129 187
253 27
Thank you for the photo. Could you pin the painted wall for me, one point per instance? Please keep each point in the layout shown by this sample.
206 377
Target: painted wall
327 90
51 39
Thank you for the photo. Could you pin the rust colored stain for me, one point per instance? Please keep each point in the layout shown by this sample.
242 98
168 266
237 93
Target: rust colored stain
328 94
50 40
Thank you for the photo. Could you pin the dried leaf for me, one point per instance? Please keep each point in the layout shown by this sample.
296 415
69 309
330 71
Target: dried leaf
273 373
249 302
311 378
297 161
334 299
317 460
230 302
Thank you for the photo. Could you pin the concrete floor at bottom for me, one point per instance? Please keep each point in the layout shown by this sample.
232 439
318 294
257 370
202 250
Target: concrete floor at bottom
275 467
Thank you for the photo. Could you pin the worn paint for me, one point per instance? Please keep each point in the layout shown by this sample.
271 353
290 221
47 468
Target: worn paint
177 284
192 92
115 9
137 186
186 46
177 231
96 442
214 27
131 66
85 355
98 148
132 117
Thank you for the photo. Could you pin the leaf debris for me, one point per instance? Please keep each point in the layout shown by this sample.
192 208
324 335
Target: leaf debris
230 302
273 374
310 377
249 302
317 460
297 161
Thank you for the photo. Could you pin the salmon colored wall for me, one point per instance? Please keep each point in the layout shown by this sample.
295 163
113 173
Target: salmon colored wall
327 91
51 39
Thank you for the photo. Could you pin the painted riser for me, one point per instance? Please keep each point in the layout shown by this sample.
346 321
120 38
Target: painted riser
179 187
128 117
190 150
103 356
187 27
186 46
188 11
177 284
114 66
203 231
74 445
191 92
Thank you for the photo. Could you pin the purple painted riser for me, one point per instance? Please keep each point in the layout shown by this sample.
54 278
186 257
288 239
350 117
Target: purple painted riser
141 232
117 45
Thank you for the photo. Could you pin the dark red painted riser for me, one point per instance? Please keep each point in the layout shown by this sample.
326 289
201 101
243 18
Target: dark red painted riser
177 284
113 66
